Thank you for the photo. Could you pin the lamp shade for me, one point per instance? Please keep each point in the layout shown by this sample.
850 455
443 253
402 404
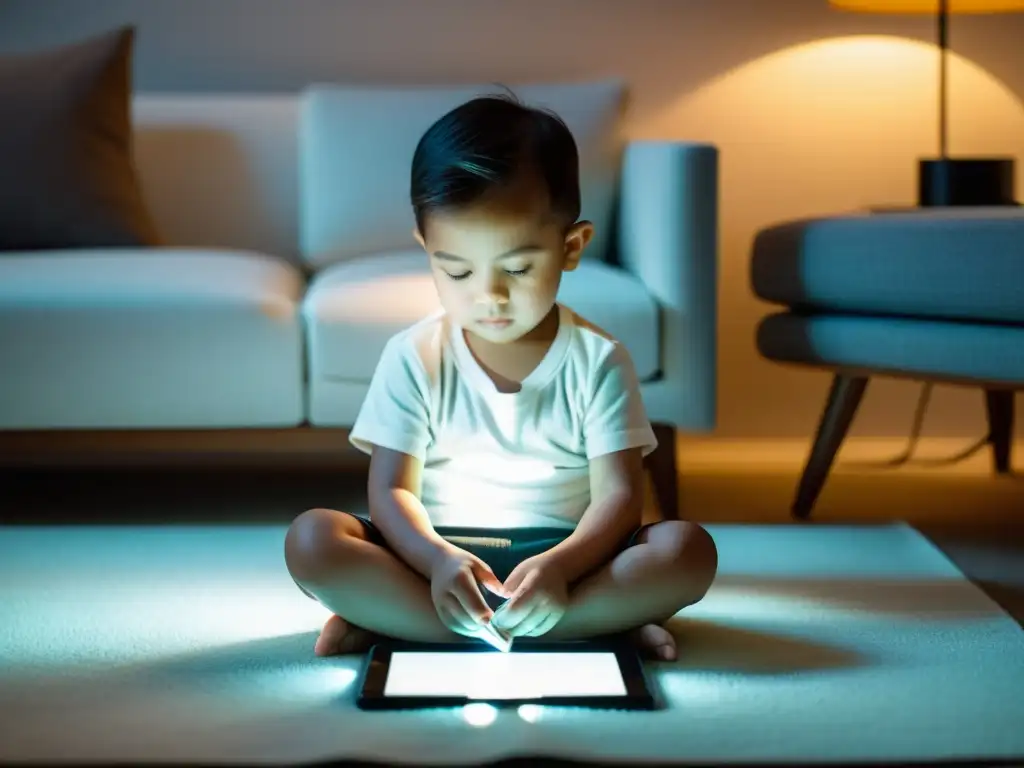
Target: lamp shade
929 6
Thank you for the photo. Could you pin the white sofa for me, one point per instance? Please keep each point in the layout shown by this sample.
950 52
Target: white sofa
290 260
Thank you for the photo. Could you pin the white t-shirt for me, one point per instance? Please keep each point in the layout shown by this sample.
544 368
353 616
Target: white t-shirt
500 460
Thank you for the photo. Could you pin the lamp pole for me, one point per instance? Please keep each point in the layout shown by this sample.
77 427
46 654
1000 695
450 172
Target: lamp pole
943 180
943 75
964 181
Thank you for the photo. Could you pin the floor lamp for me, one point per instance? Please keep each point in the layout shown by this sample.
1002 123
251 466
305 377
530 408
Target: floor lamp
946 181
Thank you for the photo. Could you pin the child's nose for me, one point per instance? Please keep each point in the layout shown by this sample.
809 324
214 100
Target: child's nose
494 293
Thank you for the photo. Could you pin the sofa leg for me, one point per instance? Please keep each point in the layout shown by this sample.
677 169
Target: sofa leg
999 405
843 400
661 465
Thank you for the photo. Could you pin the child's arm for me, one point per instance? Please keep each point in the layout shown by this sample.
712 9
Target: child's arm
615 511
539 585
616 433
396 510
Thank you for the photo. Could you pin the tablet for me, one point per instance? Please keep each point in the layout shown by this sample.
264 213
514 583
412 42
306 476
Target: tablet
400 675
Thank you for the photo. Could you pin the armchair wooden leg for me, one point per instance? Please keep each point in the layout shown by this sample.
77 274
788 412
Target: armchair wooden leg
661 465
843 400
999 405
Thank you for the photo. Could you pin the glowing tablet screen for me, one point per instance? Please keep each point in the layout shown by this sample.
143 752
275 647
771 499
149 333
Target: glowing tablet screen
504 675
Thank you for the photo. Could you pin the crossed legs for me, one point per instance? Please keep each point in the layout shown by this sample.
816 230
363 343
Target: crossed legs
371 591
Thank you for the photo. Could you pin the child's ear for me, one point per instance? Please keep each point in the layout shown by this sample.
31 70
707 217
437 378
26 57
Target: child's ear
576 240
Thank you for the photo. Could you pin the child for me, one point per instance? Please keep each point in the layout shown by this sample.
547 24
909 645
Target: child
506 433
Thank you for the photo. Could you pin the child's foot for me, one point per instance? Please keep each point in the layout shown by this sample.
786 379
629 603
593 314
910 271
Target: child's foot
655 640
338 637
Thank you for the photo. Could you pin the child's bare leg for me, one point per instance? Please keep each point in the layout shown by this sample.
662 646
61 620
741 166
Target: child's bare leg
365 585
670 567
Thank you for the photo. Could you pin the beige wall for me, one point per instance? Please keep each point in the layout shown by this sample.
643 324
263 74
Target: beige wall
814 110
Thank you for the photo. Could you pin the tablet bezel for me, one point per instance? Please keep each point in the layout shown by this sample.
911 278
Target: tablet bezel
374 674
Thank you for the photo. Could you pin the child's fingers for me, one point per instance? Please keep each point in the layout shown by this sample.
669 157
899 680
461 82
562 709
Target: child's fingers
495 586
552 619
538 614
454 616
472 602
515 579
519 606
486 577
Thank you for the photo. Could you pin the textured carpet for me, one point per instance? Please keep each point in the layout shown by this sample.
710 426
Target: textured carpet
190 644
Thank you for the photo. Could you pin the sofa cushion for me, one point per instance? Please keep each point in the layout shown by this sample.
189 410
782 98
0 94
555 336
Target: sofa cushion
353 308
959 263
969 352
68 178
153 338
356 146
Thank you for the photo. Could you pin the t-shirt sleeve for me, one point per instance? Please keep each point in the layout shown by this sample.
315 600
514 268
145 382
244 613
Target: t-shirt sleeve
395 412
616 419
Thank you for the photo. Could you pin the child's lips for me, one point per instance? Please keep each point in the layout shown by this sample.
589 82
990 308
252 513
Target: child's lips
501 322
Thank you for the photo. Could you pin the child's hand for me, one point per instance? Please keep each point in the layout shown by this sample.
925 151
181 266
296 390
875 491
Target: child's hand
539 599
456 596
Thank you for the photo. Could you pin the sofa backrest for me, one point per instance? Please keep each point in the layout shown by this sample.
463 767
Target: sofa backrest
322 175
221 169
357 144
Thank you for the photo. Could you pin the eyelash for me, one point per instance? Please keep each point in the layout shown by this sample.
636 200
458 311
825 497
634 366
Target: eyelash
513 272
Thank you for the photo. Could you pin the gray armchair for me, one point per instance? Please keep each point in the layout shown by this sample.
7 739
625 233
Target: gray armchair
934 295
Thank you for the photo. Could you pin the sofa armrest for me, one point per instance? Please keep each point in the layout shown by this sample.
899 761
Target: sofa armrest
668 238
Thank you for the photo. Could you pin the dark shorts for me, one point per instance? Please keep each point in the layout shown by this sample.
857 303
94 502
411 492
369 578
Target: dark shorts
502 549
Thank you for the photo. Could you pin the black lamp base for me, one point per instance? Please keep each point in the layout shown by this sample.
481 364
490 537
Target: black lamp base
966 182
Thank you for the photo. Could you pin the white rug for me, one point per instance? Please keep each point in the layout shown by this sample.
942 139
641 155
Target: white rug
818 644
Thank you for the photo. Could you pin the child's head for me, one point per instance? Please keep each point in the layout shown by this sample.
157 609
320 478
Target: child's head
495 190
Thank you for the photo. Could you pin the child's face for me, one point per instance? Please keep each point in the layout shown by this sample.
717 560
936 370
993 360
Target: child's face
498 264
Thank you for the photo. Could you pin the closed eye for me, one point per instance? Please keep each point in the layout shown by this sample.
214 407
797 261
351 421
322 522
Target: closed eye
513 272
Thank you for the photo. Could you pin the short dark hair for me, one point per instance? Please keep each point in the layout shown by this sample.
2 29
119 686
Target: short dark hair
485 144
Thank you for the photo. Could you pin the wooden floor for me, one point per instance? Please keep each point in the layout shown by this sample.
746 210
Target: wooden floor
976 517
973 515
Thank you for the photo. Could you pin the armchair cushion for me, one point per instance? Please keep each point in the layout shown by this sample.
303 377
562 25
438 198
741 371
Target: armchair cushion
955 264
967 352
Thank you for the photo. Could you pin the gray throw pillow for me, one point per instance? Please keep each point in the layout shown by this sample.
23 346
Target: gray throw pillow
67 175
